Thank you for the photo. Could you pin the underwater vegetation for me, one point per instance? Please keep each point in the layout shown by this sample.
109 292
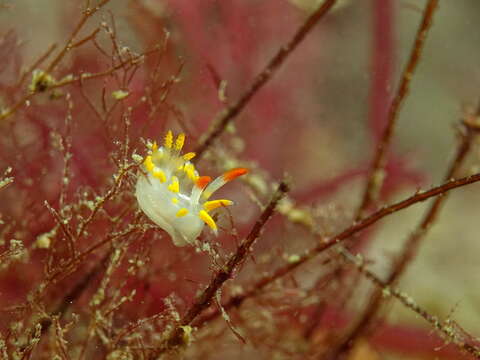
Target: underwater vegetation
338 220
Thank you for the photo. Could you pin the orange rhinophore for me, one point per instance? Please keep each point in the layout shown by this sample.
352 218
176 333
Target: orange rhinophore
203 181
234 173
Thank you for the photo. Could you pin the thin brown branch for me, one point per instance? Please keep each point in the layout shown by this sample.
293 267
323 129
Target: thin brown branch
88 12
377 169
70 266
69 44
176 337
62 222
60 341
133 326
410 249
225 117
5 113
444 328
86 76
36 64
87 38
355 228
430 217
72 295
226 317
66 146
100 201
88 101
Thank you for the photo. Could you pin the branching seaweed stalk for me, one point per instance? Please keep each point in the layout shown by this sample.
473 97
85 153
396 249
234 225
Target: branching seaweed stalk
176 337
224 117
377 174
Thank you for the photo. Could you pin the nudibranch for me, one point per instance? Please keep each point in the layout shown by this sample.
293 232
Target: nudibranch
173 195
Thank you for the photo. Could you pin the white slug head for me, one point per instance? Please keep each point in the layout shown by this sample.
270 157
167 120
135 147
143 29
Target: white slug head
174 196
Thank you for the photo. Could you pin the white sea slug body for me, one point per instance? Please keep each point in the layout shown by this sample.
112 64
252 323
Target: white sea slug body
173 195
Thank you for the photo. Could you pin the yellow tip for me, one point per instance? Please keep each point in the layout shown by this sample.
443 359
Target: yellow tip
182 212
148 163
169 139
154 146
179 142
207 219
189 156
190 171
159 174
212 205
174 186
175 200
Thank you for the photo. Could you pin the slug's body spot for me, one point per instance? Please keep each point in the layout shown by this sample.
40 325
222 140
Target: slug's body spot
174 186
159 174
182 212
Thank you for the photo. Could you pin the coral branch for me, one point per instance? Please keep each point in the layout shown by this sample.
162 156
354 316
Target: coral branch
88 12
326 243
69 44
208 295
36 64
224 117
100 201
444 328
376 176
72 295
63 223
411 245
